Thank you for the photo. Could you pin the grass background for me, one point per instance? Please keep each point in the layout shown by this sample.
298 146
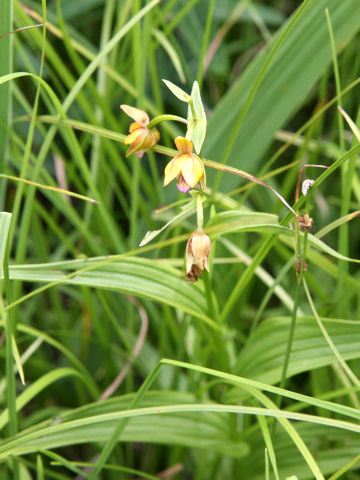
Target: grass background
209 376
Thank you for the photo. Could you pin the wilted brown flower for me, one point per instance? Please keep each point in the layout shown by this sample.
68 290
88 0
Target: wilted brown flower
197 255
305 222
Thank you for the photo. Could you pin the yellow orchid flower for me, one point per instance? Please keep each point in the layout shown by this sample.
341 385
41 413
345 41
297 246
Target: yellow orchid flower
141 139
188 165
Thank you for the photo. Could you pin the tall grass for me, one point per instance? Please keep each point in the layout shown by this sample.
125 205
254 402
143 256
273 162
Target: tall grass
116 366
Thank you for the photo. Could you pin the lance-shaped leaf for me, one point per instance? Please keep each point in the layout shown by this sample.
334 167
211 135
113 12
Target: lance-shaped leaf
187 210
197 126
279 96
177 91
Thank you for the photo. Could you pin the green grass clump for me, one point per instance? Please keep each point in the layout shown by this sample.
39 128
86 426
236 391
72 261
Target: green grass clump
116 366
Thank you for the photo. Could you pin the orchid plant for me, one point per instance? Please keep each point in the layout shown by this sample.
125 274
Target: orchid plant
187 166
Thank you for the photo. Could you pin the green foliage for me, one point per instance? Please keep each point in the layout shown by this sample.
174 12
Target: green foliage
116 366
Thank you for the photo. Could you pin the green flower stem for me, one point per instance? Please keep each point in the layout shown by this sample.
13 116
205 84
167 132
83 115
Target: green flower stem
290 339
10 371
165 117
296 299
209 294
200 212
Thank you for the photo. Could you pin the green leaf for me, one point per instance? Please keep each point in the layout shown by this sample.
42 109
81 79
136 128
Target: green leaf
197 126
350 122
170 50
35 388
331 449
187 210
320 245
96 422
251 385
177 91
336 223
140 277
239 220
169 424
5 219
285 86
263 356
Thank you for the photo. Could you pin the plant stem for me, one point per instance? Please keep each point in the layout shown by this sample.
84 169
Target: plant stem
6 15
200 211
166 117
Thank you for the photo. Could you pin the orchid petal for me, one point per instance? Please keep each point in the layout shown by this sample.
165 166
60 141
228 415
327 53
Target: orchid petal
183 145
193 170
174 167
182 186
136 114
134 126
133 137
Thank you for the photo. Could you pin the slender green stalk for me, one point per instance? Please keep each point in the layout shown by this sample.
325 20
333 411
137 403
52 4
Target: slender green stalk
209 295
205 43
179 16
199 211
269 450
29 141
327 337
48 187
254 89
339 473
285 269
269 243
318 114
46 145
346 179
139 70
300 254
135 194
337 80
101 88
290 339
166 117
39 468
122 424
6 21
10 371
267 470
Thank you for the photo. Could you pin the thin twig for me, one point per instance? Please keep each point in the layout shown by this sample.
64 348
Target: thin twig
136 350
60 174
20 29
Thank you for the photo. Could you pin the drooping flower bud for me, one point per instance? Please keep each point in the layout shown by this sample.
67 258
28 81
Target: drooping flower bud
197 255
141 139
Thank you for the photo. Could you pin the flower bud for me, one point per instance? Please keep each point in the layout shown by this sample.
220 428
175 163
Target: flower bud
197 255
298 265
141 139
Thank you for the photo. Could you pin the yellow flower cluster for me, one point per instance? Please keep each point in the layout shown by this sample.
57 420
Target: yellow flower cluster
186 165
